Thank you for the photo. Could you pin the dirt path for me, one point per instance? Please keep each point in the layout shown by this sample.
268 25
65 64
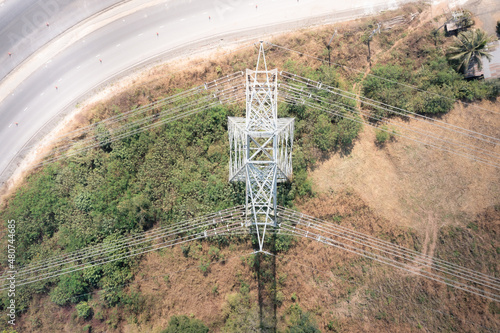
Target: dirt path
428 246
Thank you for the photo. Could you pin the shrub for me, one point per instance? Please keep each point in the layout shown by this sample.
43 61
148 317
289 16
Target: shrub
186 325
214 253
83 310
282 243
241 315
83 201
280 297
383 135
69 289
204 264
325 136
300 321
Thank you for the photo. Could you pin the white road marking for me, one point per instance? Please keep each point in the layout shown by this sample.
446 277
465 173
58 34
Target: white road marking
182 20
97 55
78 67
10 125
59 80
139 35
42 94
161 26
26 108
48 62
117 45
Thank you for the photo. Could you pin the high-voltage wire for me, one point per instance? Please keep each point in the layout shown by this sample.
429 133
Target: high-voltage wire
123 116
293 215
380 77
230 96
223 230
392 262
298 91
315 85
299 97
332 230
302 98
313 231
224 217
178 225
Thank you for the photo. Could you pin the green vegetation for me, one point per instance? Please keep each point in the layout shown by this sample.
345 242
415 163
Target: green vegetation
83 310
301 321
185 324
240 313
469 48
384 134
428 64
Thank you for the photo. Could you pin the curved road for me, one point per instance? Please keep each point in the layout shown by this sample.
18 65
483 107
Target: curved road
162 30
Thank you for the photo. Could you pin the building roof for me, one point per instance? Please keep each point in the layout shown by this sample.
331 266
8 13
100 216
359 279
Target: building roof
473 71
491 68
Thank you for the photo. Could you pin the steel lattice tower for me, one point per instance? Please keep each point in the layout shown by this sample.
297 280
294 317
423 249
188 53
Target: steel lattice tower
261 148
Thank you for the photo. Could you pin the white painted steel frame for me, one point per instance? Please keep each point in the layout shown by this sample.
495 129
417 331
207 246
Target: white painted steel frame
261 148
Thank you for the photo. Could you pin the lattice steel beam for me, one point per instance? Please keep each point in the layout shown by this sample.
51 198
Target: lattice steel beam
261 147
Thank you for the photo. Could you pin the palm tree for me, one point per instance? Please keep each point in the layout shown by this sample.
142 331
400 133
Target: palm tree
469 48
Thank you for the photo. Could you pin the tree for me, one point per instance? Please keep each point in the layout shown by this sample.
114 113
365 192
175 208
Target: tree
469 48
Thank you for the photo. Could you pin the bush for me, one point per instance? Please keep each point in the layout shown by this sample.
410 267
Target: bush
300 321
185 324
325 136
83 201
280 297
241 314
70 289
83 310
383 135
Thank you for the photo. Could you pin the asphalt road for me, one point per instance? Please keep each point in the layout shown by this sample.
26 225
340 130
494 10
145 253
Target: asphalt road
166 29
24 29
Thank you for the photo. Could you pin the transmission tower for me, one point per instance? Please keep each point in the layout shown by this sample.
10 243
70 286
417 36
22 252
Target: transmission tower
261 148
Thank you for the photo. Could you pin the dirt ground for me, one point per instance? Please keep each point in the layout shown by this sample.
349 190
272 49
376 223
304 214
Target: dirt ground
412 185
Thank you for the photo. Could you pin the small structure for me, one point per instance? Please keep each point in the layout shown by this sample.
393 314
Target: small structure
473 71
459 21
491 69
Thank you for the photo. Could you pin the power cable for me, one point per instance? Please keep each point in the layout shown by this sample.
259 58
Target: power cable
391 262
390 108
297 91
291 214
302 100
380 77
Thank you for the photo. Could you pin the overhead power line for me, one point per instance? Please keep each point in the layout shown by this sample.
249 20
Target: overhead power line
294 95
327 233
380 77
210 225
